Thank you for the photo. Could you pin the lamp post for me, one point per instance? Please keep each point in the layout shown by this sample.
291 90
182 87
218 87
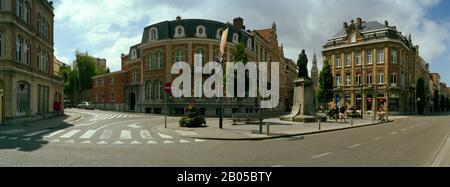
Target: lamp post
387 102
418 101
362 92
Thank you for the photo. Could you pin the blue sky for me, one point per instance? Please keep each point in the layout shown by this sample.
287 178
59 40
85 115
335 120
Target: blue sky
107 28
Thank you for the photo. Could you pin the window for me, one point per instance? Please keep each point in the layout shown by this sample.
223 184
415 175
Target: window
134 75
153 34
369 58
133 54
353 38
380 56
219 34
19 44
38 25
202 53
23 98
19 8
179 55
338 61
1 44
27 52
235 38
381 78
113 97
394 78
369 79
393 56
38 55
358 59
348 80
158 90
217 55
27 12
179 32
338 80
113 81
201 32
159 59
249 43
149 61
358 80
148 90
348 61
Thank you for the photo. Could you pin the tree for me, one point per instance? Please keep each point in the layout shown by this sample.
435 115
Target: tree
448 104
325 92
436 101
238 53
443 102
86 69
421 94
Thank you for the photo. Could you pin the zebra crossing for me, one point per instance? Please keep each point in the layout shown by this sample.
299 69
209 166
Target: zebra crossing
100 116
102 137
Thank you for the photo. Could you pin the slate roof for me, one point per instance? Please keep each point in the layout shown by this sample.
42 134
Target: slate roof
366 27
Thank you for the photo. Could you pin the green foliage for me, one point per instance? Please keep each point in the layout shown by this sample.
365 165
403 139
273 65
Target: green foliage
325 92
421 93
436 100
238 53
86 66
443 102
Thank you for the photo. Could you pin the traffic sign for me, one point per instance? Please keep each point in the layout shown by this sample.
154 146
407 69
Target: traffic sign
168 88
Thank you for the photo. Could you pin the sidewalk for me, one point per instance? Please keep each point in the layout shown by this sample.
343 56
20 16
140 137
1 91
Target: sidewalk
61 121
278 129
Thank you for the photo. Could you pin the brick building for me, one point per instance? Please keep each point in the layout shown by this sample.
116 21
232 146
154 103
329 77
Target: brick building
148 64
28 85
375 66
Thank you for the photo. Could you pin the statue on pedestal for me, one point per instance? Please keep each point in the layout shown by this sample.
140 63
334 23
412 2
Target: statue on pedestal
302 64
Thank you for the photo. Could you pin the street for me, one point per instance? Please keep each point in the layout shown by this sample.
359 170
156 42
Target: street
101 138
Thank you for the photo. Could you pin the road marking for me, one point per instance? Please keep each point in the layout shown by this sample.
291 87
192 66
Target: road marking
88 134
151 142
186 133
184 141
353 146
26 139
70 134
165 136
199 141
379 138
70 141
36 133
14 131
102 143
2 137
135 142
125 135
404 130
86 142
276 166
106 134
146 135
53 134
168 142
118 143
321 155
393 133
55 141
135 126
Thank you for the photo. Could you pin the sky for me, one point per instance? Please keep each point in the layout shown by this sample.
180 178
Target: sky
108 28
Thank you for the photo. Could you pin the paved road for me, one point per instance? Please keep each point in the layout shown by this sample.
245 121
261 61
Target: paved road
411 141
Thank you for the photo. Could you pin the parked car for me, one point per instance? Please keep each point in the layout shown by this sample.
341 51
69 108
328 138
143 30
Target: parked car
67 104
86 106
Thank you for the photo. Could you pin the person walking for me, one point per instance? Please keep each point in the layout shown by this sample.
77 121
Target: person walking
342 111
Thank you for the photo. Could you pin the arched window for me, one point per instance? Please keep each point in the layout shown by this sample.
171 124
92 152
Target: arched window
27 53
19 44
27 12
201 31
235 38
179 55
179 32
47 63
19 8
158 90
149 61
153 34
23 98
1 44
148 90
38 23
159 59
38 55
201 52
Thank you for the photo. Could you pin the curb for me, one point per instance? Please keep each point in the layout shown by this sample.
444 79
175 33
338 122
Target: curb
288 135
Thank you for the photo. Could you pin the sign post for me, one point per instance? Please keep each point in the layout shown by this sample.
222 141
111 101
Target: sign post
168 90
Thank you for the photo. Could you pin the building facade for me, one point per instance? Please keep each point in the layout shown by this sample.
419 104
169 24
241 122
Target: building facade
149 63
28 85
375 67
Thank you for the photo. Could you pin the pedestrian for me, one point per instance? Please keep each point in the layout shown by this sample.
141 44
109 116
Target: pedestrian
342 111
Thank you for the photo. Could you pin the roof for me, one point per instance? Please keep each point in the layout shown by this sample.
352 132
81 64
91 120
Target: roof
265 33
366 27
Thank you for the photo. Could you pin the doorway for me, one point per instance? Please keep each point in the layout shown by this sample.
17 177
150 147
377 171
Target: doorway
132 101
2 112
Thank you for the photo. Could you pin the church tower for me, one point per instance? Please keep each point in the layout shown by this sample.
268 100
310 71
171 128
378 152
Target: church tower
315 74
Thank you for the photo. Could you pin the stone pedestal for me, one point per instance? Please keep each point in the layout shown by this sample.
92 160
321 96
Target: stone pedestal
304 107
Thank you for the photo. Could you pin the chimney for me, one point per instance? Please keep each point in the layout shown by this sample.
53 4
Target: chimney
178 17
358 22
345 25
386 23
238 23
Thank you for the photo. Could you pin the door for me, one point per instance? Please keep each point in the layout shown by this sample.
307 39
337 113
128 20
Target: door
132 101
2 115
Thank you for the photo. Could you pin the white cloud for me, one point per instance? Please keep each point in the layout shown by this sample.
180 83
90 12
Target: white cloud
305 24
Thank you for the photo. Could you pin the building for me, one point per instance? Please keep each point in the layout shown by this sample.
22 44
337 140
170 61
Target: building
375 67
291 76
28 85
148 64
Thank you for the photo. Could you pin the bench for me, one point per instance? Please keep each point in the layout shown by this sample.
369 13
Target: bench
245 116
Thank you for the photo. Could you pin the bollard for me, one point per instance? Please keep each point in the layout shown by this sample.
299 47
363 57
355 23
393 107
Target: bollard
268 129
320 125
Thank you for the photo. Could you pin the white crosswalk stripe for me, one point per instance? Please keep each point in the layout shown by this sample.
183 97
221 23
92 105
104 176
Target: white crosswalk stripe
36 133
146 135
125 135
106 134
70 134
88 134
53 134
165 136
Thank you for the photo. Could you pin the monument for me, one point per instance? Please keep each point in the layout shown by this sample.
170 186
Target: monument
304 107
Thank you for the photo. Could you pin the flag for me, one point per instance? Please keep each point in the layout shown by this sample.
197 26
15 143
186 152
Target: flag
223 43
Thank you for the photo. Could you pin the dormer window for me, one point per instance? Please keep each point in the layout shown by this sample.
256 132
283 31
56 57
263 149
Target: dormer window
249 43
133 54
219 34
235 38
179 32
153 34
353 38
201 32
